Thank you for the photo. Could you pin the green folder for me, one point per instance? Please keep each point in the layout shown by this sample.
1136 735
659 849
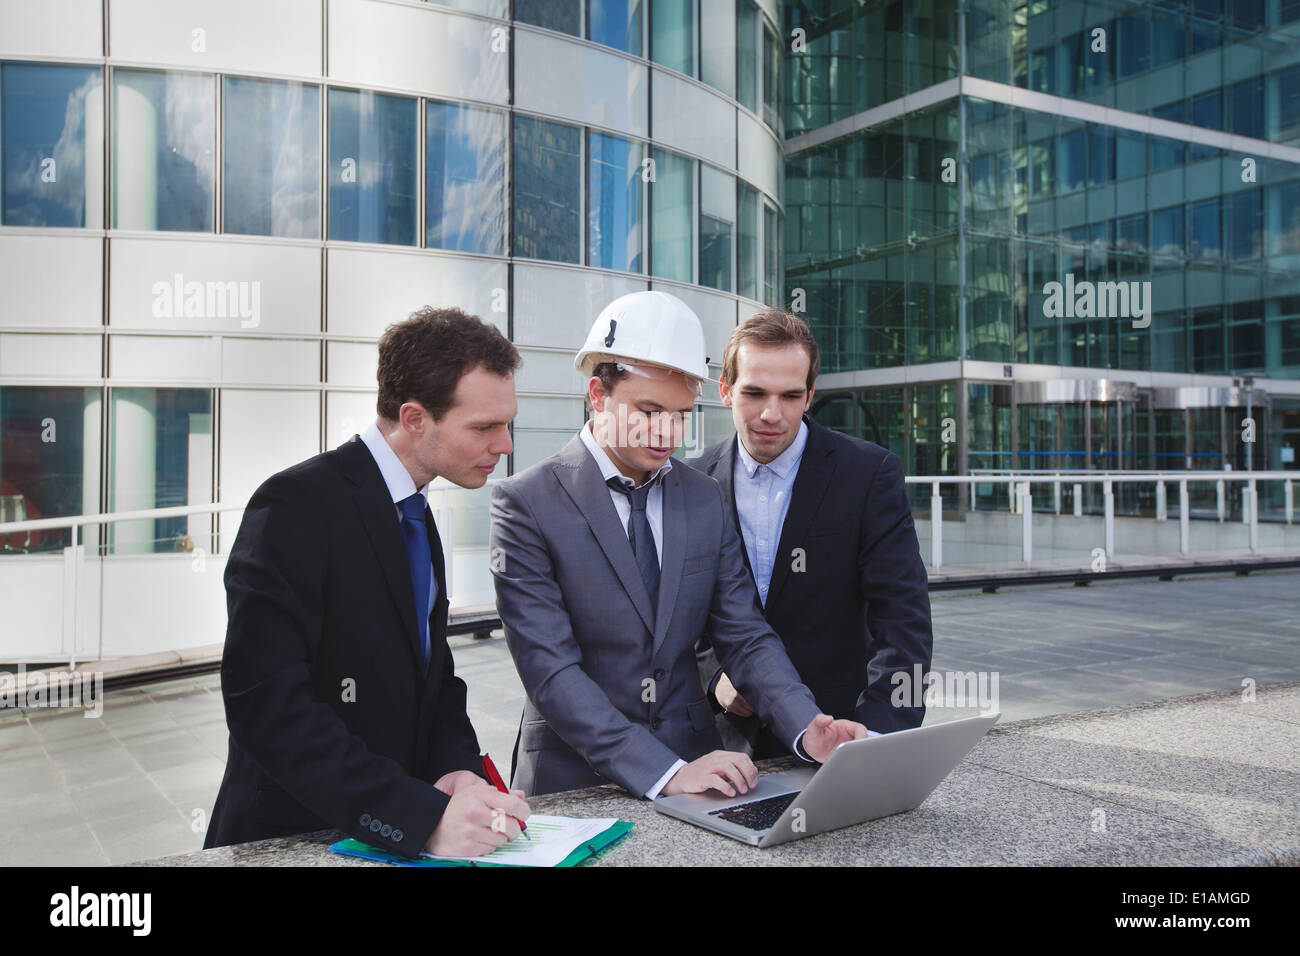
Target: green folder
350 847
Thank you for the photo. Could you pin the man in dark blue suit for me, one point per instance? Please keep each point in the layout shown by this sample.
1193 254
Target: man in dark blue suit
340 697
828 538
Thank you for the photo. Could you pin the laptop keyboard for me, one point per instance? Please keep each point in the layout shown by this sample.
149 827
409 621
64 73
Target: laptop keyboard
757 814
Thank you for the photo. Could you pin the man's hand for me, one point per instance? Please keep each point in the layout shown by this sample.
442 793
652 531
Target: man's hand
730 698
725 770
477 821
825 733
449 783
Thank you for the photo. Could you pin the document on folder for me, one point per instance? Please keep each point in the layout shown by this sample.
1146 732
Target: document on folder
549 842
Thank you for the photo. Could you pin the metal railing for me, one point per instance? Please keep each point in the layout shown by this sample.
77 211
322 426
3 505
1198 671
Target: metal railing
1020 498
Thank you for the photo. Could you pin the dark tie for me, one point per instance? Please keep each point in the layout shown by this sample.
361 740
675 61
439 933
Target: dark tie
640 536
416 535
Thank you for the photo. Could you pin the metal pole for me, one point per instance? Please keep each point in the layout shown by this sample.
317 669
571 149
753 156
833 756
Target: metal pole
936 527
1110 518
1027 524
1184 519
1253 494
1162 509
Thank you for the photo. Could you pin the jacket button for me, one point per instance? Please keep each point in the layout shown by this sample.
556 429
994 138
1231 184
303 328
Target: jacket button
385 831
397 836
365 819
375 825
660 674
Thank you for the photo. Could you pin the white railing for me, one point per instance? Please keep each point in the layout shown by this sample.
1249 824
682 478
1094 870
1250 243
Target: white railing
1020 499
1020 486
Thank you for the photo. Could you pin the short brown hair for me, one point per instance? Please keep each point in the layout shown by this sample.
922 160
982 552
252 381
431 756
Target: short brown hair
610 375
423 358
767 328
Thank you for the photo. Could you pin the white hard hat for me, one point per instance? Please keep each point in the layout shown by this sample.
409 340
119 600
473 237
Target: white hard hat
647 327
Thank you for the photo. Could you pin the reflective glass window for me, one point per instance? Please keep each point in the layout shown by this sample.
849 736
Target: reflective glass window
1207 110
672 37
1242 216
49 461
465 176
1166 152
1168 36
164 149
717 227
160 456
271 158
547 190
1134 43
1283 219
1246 108
672 201
1101 155
1167 231
747 45
771 77
372 159
747 252
614 202
1071 156
772 254
562 15
615 23
1206 241
1130 154
718 46
51 145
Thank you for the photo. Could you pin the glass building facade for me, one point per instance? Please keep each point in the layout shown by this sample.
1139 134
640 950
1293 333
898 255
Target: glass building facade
204 229
1050 235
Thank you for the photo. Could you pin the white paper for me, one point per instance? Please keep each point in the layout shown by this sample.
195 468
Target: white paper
552 839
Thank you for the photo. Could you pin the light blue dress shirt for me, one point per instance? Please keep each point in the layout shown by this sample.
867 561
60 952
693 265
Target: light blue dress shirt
400 486
762 501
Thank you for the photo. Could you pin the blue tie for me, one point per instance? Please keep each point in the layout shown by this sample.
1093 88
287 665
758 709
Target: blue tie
416 535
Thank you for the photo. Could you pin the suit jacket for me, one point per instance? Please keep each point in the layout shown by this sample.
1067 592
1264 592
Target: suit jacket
855 608
613 691
332 721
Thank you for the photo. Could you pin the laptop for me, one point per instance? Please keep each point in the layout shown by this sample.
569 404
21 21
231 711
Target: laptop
862 780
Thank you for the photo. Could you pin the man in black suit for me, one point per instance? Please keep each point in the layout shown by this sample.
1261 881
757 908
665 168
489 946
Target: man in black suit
342 705
828 538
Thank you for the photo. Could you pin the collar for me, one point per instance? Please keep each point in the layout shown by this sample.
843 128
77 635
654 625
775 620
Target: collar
607 467
399 481
783 463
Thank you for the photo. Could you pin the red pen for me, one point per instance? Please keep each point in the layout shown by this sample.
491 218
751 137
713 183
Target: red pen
494 778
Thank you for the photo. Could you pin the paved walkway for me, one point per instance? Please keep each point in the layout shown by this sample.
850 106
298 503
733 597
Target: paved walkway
140 781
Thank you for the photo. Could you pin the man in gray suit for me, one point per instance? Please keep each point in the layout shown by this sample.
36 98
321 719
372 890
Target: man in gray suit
610 563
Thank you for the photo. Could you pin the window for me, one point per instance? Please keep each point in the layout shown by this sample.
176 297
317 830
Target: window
672 39
1243 220
465 174
1206 243
614 203
561 15
717 227
271 158
47 116
160 456
747 254
615 23
747 45
49 461
1167 231
164 148
1071 157
718 46
372 175
771 255
672 223
547 190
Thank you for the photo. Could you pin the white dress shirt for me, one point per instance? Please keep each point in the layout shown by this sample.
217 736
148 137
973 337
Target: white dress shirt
400 486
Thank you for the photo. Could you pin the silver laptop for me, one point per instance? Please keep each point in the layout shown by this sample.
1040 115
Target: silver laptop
862 780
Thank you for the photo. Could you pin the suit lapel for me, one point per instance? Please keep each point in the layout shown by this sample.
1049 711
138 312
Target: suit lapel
579 476
378 517
810 483
441 605
674 554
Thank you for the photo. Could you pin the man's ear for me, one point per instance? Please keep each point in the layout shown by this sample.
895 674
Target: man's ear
724 390
595 394
808 404
412 416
